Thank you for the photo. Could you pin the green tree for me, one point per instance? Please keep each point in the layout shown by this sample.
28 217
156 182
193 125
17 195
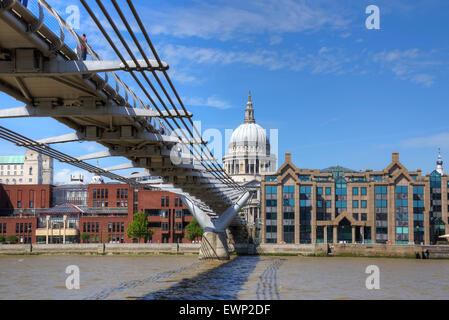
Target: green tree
194 230
12 239
2 239
138 228
85 237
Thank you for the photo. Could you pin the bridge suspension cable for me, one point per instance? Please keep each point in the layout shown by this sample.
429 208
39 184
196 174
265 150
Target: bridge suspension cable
214 168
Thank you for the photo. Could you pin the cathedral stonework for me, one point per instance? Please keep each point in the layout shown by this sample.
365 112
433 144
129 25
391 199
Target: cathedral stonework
249 156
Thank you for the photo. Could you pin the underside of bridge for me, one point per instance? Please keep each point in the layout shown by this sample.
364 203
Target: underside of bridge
153 130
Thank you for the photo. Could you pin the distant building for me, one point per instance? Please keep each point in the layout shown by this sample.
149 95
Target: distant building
32 168
334 205
248 158
61 214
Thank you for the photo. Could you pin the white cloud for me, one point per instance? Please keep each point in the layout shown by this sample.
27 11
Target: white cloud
231 19
211 101
63 176
325 60
438 140
412 65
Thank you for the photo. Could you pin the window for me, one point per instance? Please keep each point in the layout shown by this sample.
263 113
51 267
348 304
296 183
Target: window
271 190
381 203
363 203
270 178
319 191
328 203
319 203
305 190
328 191
418 190
162 201
176 202
167 201
289 189
19 204
363 191
355 191
355 203
363 217
381 190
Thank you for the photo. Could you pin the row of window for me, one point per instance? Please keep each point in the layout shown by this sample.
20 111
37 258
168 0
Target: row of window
23 228
100 193
9 166
165 201
95 227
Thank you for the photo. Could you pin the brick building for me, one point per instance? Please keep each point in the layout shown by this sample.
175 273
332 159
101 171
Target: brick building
61 214
167 215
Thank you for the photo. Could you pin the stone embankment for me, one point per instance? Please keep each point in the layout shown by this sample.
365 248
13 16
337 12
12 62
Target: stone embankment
339 250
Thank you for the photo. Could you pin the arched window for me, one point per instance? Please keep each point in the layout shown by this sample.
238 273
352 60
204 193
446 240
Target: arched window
31 171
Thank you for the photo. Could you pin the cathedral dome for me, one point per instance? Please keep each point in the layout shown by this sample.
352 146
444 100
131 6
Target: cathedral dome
249 136
249 133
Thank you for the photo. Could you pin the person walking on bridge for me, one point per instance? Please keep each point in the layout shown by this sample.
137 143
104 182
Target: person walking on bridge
83 49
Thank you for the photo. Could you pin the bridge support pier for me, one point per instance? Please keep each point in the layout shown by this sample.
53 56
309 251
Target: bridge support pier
214 245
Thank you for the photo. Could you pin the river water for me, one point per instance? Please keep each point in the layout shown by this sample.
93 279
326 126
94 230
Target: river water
244 277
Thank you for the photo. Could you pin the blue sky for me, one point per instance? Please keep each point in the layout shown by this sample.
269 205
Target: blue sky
337 92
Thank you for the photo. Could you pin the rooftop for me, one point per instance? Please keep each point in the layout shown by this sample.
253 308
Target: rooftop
12 159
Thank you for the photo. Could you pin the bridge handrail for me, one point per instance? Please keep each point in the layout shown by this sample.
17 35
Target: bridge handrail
57 44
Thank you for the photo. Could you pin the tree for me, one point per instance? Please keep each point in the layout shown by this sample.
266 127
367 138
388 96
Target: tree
138 228
12 239
194 230
85 237
2 239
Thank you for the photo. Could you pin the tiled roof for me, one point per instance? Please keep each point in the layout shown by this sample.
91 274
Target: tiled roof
64 208
12 159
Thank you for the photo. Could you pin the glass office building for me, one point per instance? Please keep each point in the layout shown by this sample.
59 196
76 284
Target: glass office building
340 205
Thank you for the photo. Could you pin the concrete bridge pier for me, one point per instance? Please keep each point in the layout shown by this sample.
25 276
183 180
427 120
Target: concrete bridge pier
214 244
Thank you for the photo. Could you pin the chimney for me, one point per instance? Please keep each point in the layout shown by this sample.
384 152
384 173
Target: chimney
395 156
288 157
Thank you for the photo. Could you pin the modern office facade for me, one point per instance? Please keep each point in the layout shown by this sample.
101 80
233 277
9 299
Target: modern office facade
334 205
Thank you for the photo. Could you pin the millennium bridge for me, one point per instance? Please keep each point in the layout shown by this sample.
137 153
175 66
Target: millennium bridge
152 129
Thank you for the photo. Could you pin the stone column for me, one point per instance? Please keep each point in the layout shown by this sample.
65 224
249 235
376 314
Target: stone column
334 235
427 202
353 234
313 213
325 234
297 215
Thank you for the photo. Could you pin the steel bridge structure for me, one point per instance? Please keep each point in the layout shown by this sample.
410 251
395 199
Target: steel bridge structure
151 127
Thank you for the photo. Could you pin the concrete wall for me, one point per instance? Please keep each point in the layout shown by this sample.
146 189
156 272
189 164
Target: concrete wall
110 248
371 250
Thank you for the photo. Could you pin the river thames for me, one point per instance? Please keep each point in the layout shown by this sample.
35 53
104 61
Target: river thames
244 277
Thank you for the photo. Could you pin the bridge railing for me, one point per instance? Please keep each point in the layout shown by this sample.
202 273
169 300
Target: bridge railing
51 19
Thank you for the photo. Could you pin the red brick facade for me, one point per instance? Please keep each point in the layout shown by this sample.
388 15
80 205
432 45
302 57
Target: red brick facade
109 213
25 196
167 215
